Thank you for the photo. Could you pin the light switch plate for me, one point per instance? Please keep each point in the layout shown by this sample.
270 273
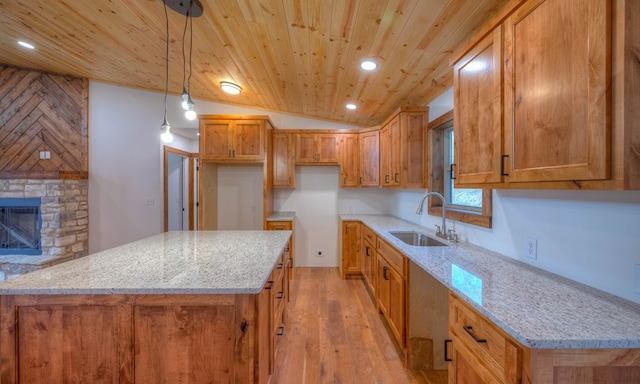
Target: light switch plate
637 278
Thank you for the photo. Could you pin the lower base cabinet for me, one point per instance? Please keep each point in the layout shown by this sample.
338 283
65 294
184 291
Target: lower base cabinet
481 352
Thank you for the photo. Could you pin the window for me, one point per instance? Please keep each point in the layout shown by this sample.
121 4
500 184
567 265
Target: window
471 206
460 198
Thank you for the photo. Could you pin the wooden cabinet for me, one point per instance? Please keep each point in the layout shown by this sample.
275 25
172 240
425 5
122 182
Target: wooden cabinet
557 100
369 257
370 158
403 145
284 171
480 350
285 225
478 113
232 139
350 246
533 98
390 153
349 166
391 289
317 148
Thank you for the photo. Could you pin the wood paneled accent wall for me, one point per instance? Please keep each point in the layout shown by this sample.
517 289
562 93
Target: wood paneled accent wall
42 115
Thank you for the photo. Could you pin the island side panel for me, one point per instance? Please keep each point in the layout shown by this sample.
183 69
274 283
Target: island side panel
128 338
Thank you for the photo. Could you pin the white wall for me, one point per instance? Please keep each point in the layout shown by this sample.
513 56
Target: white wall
317 201
125 158
240 197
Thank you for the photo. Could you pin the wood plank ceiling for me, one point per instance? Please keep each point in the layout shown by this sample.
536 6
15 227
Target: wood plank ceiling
293 56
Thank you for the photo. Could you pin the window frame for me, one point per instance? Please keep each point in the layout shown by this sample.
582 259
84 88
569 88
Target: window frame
437 177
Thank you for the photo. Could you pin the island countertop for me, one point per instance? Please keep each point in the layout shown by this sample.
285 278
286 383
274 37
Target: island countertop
179 262
538 308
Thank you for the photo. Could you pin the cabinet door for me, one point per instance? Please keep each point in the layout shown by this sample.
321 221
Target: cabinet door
385 158
396 305
328 148
351 248
466 368
283 160
383 288
370 159
305 148
214 139
349 167
557 90
248 140
394 151
478 112
413 149
368 264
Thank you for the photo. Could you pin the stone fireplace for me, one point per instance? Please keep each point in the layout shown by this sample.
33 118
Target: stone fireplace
64 231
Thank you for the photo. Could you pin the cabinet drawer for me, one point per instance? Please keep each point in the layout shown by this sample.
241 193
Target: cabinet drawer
395 259
369 235
495 350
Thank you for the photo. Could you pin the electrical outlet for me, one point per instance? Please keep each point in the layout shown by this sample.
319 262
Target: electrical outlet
532 248
319 252
151 201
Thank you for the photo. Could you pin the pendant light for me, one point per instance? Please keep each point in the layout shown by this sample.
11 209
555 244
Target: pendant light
166 135
190 10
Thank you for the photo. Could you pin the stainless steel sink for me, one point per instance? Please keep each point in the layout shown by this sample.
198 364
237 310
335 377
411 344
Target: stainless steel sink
418 239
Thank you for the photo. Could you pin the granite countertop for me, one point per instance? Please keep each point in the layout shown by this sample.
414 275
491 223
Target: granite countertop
281 216
539 309
181 262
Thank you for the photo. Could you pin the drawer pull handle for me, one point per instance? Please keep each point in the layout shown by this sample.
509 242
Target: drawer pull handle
446 350
280 295
385 270
280 331
280 265
469 330
367 250
269 284
502 171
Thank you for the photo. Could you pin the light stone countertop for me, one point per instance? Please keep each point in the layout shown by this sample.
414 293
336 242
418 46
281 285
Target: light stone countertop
282 216
180 262
539 309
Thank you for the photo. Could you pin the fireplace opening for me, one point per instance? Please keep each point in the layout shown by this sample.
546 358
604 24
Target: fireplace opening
20 225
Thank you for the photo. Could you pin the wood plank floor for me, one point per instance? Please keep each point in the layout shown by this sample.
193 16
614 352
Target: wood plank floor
334 334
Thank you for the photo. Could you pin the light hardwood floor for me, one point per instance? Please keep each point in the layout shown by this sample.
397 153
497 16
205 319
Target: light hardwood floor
334 334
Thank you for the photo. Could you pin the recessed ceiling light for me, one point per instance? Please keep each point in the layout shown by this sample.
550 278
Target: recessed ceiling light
351 106
368 65
230 88
26 45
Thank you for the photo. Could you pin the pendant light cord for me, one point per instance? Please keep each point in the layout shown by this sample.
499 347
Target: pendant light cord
166 84
190 47
184 59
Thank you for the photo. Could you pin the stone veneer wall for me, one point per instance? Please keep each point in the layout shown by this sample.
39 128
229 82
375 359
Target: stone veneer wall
65 219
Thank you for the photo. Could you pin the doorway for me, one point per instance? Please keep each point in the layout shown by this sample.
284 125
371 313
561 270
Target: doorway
179 190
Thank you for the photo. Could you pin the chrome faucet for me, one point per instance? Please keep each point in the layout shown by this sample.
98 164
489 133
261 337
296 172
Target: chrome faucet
441 230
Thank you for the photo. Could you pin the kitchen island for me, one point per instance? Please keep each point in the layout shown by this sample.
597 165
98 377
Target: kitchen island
196 307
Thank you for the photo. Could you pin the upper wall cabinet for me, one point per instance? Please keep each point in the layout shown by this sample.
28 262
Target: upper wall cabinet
533 98
349 166
317 148
228 139
403 145
284 171
369 158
